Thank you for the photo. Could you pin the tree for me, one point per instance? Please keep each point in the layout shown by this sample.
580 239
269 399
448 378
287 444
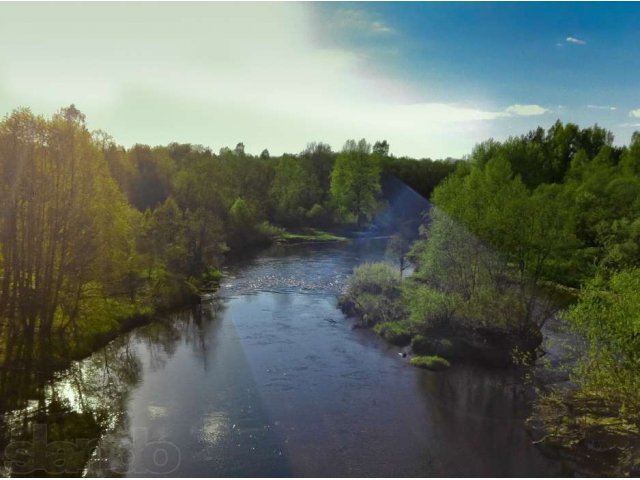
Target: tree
239 150
381 148
355 181
153 170
242 223
320 159
64 226
397 249
605 402
294 190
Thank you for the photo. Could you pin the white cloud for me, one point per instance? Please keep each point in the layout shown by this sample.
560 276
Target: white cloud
635 113
352 19
525 110
575 41
632 125
228 73
602 107
380 27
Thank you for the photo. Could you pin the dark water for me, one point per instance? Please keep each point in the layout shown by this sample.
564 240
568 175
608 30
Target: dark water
268 378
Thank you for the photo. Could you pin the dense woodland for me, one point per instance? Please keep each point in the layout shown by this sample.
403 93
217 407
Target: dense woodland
522 223
93 234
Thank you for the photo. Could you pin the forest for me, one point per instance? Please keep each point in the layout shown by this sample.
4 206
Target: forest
95 237
539 227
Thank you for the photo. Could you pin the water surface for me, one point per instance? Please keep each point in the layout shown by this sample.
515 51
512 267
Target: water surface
268 378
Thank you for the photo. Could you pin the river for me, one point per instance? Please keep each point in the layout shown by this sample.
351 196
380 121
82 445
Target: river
268 378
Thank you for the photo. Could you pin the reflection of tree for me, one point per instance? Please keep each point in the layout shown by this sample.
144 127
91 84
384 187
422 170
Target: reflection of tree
482 412
61 416
84 406
200 317
72 412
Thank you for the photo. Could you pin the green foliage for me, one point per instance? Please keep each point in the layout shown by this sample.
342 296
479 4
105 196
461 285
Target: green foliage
545 157
309 235
397 250
428 308
421 175
88 226
430 362
608 316
373 294
604 405
319 216
492 241
267 230
295 189
374 278
420 344
355 181
396 332
424 345
461 282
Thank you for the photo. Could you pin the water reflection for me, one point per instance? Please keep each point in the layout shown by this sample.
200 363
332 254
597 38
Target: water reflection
266 379
51 423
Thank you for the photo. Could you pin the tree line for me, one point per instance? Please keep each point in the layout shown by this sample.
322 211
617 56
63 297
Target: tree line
518 225
92 233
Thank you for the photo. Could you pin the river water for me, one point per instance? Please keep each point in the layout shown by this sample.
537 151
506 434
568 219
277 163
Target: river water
268 378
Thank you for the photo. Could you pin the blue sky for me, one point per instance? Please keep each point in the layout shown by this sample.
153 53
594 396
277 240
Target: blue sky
431 78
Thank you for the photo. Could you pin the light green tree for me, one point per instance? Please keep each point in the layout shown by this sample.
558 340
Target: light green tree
355 181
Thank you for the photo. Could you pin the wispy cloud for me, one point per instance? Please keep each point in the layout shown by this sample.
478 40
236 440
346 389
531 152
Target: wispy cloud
575 41
602 107
525 110
360 20
380 27
631 125
635 113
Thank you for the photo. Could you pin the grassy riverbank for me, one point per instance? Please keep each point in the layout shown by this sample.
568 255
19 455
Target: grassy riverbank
308 235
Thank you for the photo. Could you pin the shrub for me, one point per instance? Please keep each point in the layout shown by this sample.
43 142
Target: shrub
428 346
427 306
396 333
265 229
318 215
373 294
375 278
421 345
430 362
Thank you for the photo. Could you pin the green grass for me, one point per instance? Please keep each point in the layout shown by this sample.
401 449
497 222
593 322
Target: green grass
430 362
309 235
396 333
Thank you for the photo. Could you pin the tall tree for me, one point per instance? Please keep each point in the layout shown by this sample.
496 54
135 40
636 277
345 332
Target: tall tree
355 181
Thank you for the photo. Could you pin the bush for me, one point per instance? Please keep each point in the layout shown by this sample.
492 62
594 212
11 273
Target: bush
430 362
268 231
421 345
319 216
428 346
375 278
396 333
427 306
373 294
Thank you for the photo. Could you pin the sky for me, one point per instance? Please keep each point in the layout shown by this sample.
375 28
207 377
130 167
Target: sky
433 79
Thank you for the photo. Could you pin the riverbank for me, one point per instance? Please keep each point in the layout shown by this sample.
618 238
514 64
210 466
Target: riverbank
407 314
269 378
307 235
565 423
122 316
